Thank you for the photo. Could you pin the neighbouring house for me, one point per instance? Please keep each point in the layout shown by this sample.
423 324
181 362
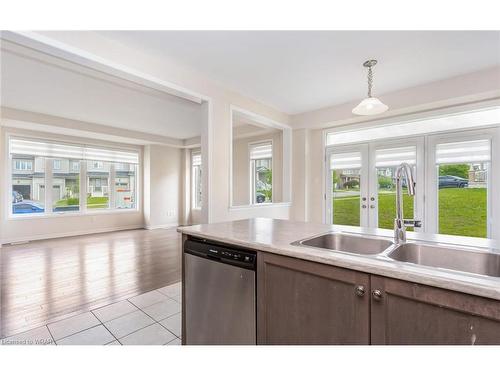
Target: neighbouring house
28 178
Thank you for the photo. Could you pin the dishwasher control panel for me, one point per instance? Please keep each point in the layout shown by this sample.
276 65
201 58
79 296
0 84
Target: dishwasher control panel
234 255
239 257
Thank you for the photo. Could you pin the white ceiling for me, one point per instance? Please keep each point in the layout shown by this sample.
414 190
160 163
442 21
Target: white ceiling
47 85
297 71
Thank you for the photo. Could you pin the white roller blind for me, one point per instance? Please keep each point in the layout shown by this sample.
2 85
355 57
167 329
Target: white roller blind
392 157
464 152
261 151
346 160
196 158
79 152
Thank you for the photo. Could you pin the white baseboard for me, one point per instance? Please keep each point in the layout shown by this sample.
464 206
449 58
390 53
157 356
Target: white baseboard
162 226
69 234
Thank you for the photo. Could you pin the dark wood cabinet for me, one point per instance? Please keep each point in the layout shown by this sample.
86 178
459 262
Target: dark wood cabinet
409 313
302 302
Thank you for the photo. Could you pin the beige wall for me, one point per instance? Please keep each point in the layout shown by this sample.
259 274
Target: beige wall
216 142
241 167
309 148
23 229
163 186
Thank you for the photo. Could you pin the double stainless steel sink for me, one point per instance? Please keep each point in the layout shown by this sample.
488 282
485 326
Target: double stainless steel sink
463 259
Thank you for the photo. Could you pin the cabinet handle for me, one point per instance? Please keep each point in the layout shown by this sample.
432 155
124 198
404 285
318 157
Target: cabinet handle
360 290
377 294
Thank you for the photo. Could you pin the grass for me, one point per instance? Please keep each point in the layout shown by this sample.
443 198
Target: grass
92 202
462 212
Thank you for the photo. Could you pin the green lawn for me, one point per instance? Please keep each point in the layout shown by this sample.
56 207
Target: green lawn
92 202
461 211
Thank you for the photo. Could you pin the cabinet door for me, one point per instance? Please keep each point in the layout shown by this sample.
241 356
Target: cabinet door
301 302
409 313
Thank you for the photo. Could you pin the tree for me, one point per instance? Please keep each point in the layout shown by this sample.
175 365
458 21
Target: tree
267 190
385 182
351 184
459 170
335 178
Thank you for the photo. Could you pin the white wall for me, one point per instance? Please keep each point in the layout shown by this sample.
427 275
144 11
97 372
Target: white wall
23 229
163 186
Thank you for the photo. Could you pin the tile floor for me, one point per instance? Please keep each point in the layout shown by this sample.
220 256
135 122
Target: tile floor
152 318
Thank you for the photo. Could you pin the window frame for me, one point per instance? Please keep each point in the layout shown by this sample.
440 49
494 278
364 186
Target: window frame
194 201
48 165
363 149
427 172
432 191
419 200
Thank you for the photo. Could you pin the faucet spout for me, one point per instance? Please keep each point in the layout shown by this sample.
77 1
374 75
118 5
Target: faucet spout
403 171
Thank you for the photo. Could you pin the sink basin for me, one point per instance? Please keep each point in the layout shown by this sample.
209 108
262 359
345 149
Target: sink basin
347 243
465 260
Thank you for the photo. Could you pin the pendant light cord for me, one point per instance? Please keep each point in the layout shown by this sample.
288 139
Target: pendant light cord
370 81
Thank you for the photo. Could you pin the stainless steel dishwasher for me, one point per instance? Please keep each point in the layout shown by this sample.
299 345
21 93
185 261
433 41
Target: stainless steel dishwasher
220 306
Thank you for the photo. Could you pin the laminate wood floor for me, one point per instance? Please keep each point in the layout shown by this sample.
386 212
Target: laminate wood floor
44 281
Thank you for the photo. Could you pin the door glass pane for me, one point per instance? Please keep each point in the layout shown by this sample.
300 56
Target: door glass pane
386 163
66 185
98 184
345 172
462 170
28 185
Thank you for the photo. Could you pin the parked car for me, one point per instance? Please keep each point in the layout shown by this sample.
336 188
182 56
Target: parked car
27 207
260 198
453 181
66 208
16 197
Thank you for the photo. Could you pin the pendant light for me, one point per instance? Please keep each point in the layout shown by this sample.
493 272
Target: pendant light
370 105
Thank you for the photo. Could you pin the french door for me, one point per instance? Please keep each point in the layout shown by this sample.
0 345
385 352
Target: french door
360 182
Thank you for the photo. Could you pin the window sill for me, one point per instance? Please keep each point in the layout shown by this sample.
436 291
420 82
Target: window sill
72 214
257 205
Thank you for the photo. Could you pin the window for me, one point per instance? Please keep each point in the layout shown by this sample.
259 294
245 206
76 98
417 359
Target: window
261 169
66 186
456 175
56 165
96 165
23 165
27 185
81 178
196 178
462 185
75 165
98 184
125 182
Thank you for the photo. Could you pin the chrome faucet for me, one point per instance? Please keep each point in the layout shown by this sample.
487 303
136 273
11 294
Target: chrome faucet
400 224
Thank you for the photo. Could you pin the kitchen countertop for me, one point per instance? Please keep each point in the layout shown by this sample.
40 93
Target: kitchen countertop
276 236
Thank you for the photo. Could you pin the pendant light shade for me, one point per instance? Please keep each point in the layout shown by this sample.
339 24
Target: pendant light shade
370 105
